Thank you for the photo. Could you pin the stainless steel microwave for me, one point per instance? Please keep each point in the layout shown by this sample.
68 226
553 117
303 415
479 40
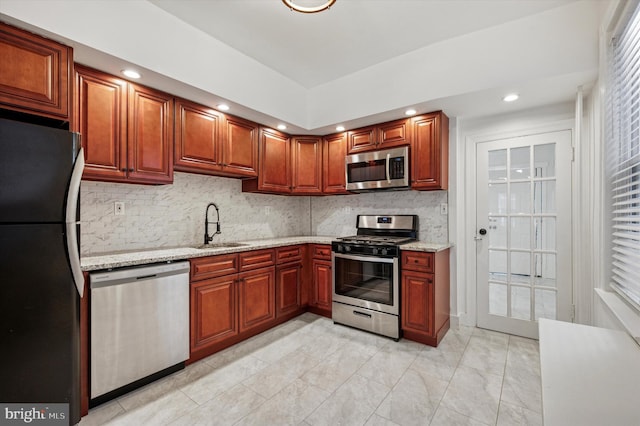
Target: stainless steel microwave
384 169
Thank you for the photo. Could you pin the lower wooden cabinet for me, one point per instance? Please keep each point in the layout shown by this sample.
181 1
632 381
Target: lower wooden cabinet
232 298
288 282
425 303
235 296
213 311
256 298
321 288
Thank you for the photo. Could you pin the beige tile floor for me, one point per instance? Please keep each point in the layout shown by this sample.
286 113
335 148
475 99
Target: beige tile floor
309 371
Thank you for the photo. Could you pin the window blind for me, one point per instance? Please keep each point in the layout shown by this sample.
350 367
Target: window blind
623 157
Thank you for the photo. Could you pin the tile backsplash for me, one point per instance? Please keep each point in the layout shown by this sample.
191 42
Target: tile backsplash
336 215
173 215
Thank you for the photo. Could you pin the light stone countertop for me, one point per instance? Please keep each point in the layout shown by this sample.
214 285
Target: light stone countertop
140 257
590 375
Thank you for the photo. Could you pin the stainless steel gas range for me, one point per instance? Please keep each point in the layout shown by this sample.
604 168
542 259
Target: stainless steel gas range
366 273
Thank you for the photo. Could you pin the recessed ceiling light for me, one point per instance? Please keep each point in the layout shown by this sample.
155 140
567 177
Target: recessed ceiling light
511 97
410 111
340 128
282 127
131 73
223 107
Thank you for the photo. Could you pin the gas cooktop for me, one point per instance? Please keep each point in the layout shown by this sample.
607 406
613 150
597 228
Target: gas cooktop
375 239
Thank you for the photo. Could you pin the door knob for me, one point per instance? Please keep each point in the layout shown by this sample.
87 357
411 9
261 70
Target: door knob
482 231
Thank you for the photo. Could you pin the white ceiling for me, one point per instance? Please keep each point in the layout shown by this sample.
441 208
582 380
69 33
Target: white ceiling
361 62
313 49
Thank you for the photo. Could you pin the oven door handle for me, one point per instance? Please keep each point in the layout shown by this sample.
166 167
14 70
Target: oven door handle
365 258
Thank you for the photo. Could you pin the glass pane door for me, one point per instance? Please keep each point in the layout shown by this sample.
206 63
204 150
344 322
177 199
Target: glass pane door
522 198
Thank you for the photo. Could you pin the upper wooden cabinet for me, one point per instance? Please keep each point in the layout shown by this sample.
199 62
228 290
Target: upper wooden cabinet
274 170
334 151
35 74
101 119
127 129
362 139
150 135
209 142
430 151
381 136
306 165
240 147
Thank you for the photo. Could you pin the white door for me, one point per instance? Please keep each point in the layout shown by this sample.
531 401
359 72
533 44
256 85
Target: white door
524 232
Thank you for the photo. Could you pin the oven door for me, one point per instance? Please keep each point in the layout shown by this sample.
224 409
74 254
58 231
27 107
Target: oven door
366 281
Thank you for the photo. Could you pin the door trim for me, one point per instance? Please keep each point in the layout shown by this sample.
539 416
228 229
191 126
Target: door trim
467 215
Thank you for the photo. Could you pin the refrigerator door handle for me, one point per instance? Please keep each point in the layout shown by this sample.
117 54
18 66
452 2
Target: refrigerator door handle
74 188
74 257
71 222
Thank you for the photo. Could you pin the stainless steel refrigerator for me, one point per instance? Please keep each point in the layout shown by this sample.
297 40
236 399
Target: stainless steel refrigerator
40 277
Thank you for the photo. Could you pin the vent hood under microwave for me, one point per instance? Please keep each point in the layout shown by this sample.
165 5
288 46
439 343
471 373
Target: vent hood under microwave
375 170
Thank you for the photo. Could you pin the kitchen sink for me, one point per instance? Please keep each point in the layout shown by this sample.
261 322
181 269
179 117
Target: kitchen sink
220 245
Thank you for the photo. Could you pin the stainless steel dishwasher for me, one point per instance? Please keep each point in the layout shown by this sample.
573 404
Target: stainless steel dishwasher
139 326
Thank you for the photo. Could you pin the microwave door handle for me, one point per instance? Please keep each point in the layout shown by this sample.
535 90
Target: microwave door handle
388 173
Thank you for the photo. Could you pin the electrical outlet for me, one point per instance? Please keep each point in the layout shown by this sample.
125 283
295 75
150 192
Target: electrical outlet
347 209
444 208
118 208
267 210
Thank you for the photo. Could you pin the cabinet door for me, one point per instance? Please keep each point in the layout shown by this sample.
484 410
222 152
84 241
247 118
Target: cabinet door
322 289
361 140
101 119
288 279
197 143
150 135
275 158
35 74
430 152
213 311
417 302
393 133
240 147
333 164
306 165
256 298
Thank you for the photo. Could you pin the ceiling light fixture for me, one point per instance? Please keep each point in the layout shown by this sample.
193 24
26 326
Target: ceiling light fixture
223 107
340 128
282 127
511 97
131 73
410 111
324 5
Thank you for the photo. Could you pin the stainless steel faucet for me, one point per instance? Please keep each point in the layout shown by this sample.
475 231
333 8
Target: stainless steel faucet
207 238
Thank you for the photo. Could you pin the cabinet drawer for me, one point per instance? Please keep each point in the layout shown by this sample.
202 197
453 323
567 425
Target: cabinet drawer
288 254
213 266
417 261
256 259
321 251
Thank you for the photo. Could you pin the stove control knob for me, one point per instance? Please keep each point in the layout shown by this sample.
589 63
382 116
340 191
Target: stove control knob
374 250
339 248
347 249
384 251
